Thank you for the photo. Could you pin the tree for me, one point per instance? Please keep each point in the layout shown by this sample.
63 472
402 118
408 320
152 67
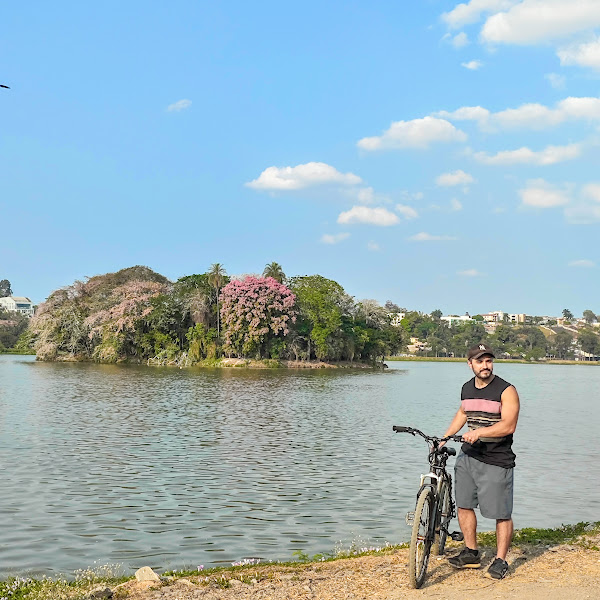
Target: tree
103 318
275 271
322 303
436 314
567 314
5 289
589 343
589 316
257 313
216 277
393 308
562 344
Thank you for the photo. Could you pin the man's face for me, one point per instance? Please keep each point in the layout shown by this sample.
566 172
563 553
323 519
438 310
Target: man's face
483 367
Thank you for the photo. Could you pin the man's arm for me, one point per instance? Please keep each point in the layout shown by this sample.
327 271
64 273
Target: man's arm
507 423
460 418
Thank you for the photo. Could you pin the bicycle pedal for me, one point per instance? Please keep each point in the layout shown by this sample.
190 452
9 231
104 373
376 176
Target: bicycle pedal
410 518
457 536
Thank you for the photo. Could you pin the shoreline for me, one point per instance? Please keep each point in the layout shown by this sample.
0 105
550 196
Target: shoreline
521 361
225 363
565 558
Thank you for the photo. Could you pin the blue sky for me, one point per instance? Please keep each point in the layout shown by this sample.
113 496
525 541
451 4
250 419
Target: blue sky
436 154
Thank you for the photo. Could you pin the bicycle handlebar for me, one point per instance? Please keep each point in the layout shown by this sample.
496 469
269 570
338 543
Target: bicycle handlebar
429 438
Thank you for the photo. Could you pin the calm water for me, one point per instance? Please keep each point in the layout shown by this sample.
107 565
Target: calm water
173 468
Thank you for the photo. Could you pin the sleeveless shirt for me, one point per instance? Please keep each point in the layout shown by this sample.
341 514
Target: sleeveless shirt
483 408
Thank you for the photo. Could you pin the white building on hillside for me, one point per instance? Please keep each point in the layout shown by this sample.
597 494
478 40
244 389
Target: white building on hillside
496 316
18 304
455 320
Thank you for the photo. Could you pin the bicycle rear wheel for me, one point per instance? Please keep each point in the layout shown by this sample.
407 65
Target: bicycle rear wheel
420 541
444 515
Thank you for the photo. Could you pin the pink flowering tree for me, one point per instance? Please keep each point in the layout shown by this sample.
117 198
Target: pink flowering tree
256 313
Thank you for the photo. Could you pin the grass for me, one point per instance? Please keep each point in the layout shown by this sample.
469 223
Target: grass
251 571
547 537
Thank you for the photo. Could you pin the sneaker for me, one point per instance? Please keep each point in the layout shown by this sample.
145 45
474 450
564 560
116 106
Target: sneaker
467 559
498 569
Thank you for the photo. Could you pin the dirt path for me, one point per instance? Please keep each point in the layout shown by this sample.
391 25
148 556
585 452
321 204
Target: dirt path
548 573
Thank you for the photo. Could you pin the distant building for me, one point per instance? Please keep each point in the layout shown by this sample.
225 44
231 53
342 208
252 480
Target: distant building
417 346
517 318
496 316
18 304
456 320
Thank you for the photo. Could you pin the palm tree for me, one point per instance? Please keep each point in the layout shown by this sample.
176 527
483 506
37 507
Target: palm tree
216 275
275 271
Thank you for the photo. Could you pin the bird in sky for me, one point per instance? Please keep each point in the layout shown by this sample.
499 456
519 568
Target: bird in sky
4 86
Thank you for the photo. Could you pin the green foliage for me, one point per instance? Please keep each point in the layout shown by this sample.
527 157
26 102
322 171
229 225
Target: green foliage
567 314
322 303
589 342
12 326
5 289
275 271
532 535
202 343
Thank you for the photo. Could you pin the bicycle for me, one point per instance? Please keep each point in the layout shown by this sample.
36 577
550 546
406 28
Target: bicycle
434 509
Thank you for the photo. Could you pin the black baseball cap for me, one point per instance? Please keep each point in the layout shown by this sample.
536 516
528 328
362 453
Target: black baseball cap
479 350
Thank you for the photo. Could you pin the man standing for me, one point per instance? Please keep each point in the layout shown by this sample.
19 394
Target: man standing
484 467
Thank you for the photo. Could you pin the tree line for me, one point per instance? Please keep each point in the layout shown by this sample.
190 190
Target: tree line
138 314
525 341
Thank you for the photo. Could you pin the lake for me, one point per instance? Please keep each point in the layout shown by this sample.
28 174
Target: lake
173 468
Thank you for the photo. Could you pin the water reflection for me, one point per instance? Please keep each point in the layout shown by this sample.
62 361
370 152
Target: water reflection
173 467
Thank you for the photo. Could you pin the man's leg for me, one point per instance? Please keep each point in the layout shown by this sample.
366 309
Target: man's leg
504 532
467 519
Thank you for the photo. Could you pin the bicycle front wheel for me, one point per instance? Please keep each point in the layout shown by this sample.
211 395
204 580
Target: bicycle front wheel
420 541
444 515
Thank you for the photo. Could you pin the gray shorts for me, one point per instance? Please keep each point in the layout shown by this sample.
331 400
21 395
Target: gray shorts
488 486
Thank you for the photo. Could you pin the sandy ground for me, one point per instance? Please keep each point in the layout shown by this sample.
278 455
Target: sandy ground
548 573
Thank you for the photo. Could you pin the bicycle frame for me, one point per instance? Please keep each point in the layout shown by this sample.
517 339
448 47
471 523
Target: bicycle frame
431 500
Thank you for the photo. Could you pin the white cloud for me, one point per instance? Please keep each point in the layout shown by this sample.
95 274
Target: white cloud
460 40
373 246
525 156
592 191
466 113
408 212
472 65
536 21
335 238
366 195
456 178
541 194
179 105
582 213
466 14
582 263
418 133
427 237
556 81
529 116
455 205
301 176
586 210
582 55
371 216
469 273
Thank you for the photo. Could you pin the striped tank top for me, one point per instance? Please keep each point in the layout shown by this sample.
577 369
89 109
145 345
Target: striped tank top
483 408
